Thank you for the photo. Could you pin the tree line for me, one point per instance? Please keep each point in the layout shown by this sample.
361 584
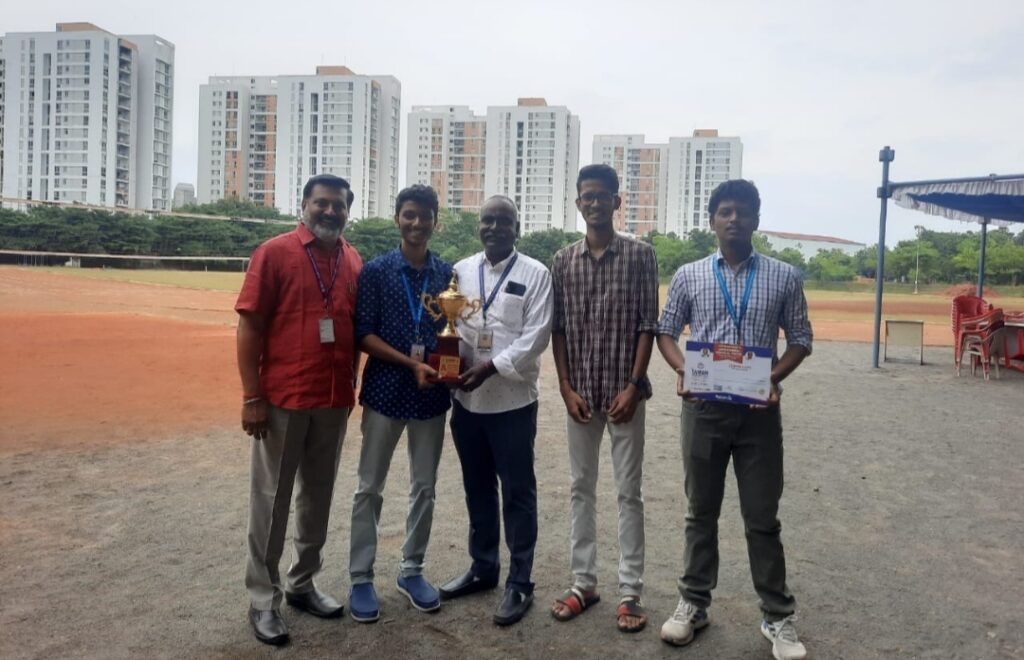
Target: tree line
944 256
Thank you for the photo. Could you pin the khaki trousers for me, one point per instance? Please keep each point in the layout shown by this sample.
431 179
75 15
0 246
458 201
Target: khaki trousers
302 446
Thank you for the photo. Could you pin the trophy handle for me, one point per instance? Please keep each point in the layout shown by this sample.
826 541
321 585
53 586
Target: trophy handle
429 303
471 308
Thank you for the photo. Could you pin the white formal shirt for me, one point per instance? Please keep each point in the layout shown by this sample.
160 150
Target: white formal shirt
519 319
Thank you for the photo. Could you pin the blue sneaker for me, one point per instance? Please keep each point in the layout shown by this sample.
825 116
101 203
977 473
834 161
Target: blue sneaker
420 593
362 603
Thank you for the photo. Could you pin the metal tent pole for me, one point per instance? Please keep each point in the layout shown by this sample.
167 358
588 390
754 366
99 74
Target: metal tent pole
885 156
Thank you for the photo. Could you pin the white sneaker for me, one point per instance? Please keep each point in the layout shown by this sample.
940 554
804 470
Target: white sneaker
782 634
678 630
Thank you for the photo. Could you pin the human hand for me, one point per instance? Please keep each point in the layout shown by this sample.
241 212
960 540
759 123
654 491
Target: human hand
623 406
773 399
254 419
426 375
574 404
681 384
474 377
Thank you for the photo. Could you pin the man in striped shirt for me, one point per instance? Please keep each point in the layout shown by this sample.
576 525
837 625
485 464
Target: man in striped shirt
605 315
735 296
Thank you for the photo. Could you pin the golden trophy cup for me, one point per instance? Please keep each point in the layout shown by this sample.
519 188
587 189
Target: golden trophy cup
451 304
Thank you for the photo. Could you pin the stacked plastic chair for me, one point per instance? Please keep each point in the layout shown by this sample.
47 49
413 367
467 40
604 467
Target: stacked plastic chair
975 325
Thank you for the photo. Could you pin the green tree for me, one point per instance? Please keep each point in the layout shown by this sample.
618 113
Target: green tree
542 245
793 257
234 207
831 266
372 237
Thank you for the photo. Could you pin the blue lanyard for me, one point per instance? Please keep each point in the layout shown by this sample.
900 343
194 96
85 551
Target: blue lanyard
325 290
729 306
497 287
415 310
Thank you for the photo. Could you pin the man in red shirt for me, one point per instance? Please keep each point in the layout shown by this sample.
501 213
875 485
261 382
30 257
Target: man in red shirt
298 359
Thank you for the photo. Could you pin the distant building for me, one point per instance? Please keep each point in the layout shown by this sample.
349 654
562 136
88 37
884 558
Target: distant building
530 154
643 180
665 187
184 194
86 116
262 137
448 151
810 244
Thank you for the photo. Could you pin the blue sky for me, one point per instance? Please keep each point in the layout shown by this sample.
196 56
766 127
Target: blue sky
814 89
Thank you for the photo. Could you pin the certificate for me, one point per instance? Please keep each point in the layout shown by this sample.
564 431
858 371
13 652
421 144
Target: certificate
729 373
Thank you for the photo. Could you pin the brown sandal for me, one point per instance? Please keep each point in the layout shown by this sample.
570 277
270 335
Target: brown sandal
576 602
630 606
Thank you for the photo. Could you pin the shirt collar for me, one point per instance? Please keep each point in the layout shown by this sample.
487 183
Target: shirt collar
400 261
613 245
720 259
307 237
501 264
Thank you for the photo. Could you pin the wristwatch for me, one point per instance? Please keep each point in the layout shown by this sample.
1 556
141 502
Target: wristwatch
640 383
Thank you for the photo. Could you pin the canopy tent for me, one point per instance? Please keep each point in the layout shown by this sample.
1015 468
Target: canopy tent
986 200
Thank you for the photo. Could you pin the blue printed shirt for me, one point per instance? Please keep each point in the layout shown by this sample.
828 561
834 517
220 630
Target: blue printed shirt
383 309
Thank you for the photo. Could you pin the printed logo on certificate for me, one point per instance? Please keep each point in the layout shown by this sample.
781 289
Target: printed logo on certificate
729 373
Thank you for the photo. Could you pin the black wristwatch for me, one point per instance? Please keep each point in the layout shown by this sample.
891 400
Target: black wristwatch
640 383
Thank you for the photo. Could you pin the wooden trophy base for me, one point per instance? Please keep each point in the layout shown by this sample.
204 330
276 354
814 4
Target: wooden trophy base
446 360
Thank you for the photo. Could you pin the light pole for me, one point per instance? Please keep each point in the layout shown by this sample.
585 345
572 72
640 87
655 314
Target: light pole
917 267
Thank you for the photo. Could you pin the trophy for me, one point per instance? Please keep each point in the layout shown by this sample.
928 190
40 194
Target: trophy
451 305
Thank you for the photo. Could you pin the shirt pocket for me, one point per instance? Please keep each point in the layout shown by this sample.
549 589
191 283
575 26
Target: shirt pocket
510 311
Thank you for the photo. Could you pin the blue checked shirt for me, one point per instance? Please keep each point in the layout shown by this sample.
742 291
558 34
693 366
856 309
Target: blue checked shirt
776 301
383 310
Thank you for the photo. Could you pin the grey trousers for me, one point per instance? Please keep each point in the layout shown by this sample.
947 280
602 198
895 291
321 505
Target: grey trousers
380 436
627 442
302 446
711 434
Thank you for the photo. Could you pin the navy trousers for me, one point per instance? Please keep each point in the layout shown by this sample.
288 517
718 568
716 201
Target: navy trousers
495 447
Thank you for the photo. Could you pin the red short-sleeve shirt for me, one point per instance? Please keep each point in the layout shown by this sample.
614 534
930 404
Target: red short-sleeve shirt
297 371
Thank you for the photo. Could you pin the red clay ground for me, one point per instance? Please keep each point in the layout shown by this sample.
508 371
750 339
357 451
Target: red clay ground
89 360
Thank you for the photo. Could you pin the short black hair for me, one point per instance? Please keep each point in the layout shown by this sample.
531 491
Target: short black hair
329 181
419 194
738 190
599 172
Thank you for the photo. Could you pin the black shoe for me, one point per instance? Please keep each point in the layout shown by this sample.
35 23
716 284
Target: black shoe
467 583
316 603
513 607
268 626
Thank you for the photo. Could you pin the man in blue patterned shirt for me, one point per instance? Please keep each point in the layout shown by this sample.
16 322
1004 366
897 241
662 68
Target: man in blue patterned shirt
393 329
735 296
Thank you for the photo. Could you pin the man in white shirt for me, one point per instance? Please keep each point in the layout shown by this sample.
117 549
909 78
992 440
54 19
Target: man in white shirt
494 419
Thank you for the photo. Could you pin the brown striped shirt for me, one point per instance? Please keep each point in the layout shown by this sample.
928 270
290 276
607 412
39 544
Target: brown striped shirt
601 306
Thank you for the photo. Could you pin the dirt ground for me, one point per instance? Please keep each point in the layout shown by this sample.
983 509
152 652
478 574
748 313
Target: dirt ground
124 485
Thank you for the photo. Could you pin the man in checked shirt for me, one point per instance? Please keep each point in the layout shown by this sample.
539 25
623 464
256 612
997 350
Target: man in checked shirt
711 297
605 316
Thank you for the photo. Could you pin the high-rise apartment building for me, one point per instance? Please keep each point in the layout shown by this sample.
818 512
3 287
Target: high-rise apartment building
696 165
87 117
528 152
665 187
262 137
642 180
447 150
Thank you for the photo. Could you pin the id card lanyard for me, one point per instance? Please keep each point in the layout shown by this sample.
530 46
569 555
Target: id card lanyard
497 287
326 323
416 311
737 318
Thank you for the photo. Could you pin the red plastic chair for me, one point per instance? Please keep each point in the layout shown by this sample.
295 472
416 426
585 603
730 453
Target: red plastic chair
978 334
965 308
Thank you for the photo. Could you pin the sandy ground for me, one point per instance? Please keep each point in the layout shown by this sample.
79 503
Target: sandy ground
124 486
